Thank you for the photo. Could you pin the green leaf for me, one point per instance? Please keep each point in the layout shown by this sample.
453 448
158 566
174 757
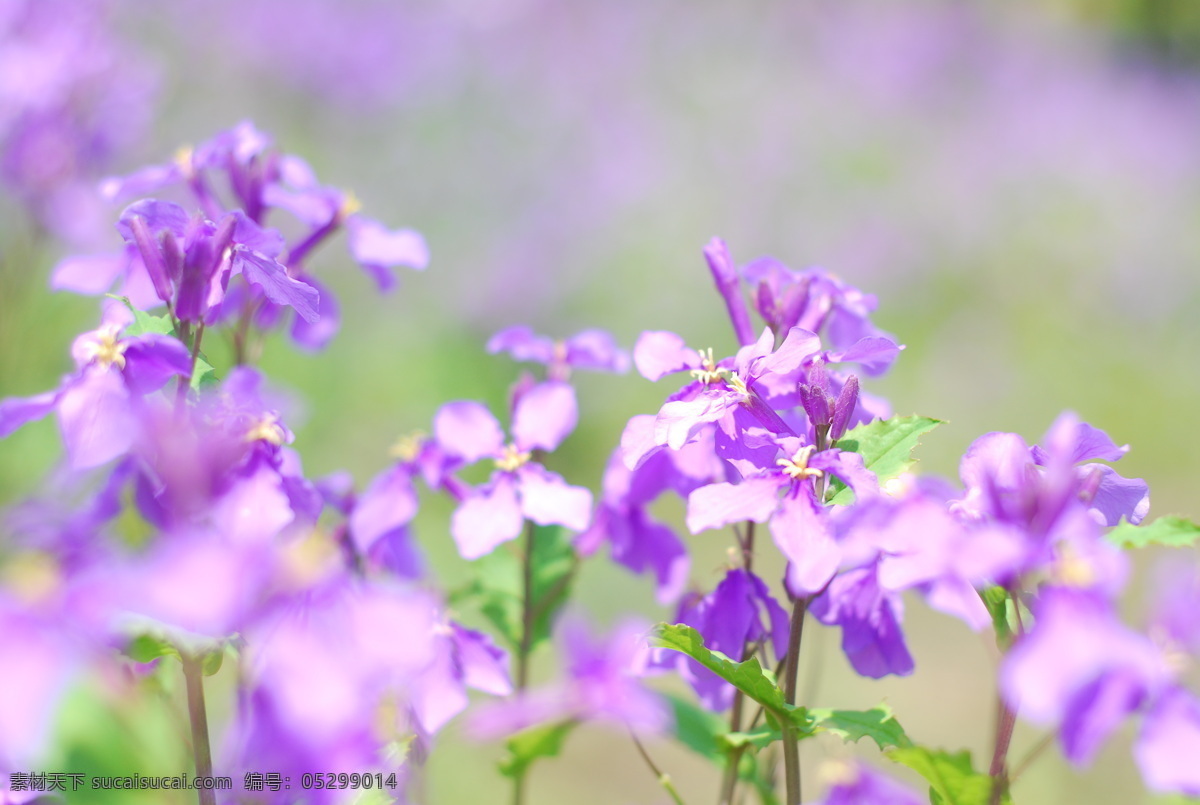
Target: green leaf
886 446
696 728
499 582
879 724
203 375
143 322
951 777
528 745
758 738
147 648
997 601
748 676
1171 531
212 662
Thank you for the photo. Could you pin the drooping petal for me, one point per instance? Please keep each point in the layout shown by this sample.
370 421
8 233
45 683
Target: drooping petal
468 430
679 420
153 359
269 275
873 353
315 335
390 501
1096 711
487 518
801 532
1169 743
870 620
95 418
378 249
545 415
548 500
16 411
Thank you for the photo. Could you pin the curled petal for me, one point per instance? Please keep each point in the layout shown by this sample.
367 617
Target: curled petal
16 411
269 275
153 359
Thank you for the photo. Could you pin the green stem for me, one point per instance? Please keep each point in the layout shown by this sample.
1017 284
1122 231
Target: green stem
193 675
1006 720
791 741
528 619
663 779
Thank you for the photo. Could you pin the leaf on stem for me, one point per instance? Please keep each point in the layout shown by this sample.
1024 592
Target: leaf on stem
886 446
748 677
528 745
497 586
1170 531
951 777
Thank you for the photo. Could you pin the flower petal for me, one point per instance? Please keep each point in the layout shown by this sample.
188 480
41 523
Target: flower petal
467 429
545 415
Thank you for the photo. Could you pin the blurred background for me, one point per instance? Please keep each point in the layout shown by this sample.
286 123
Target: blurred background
1019 183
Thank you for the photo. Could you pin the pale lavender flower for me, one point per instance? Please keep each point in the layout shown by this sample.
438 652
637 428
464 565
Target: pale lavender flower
589 349
519 487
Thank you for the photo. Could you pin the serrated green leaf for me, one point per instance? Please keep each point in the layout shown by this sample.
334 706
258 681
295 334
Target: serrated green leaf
499 582
147 648
528 745
879 724
143 322
748 677
696 728
1170 531
951 777
886 446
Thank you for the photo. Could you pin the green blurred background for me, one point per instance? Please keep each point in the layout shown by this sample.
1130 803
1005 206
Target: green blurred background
1019 184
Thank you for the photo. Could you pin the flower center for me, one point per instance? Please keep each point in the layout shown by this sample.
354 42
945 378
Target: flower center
708 372
105 349
268 430
408 447
1072 570
797 467
512 458
350 205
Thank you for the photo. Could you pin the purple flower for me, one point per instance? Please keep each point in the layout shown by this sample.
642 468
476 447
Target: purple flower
638 541
737 618
590 349
857 784
786 497
602 684
463 658
97 406
1080 668
519 488
870 620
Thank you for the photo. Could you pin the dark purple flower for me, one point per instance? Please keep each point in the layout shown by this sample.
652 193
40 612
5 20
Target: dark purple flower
737 618
870 620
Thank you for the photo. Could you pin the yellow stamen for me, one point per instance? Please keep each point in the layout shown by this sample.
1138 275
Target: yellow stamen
797 467
184 159
104 348
268 430
837 771
1176 657
31 576
408 447
709 372
737 385
512 458
1072 570
350 205
311 558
